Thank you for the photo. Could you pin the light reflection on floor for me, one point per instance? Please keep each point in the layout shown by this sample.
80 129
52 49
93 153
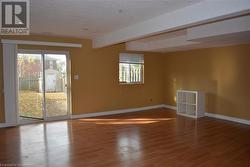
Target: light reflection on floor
38 143
107 121
129 147
165 142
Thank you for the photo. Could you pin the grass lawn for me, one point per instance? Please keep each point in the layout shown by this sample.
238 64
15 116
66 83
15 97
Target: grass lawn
30 104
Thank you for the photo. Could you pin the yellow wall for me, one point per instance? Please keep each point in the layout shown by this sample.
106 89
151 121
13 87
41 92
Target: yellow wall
98 88
223 73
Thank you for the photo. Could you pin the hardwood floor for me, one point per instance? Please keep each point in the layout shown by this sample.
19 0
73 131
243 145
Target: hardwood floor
155 138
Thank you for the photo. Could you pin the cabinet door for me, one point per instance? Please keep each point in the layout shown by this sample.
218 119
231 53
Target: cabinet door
181 108
181 97
192 98
191 109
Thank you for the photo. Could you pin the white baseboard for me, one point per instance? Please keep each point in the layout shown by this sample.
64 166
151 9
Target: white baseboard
170 107
233 119
2 125
122 111
218 116
113 112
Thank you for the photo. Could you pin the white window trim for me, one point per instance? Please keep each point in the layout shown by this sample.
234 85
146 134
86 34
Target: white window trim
43 43
131 58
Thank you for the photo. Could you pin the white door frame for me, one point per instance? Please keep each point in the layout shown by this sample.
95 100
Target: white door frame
68 69
9 75
9 78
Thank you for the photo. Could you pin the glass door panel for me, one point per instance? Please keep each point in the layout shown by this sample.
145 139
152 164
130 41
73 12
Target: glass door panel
30 85
55 70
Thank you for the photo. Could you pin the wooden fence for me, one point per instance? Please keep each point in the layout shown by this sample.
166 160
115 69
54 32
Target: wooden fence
29 83
32 84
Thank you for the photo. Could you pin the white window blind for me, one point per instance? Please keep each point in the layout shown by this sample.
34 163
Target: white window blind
131 67
131 58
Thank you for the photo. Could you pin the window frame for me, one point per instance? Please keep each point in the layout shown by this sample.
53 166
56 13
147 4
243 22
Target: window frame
132 83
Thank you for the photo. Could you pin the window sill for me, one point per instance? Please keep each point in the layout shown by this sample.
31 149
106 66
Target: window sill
133 83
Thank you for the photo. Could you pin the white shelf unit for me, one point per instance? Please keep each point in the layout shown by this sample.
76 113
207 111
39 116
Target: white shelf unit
190 103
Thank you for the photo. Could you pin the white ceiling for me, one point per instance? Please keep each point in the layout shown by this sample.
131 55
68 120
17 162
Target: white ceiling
221 33
145 25
204 12
241 38
93 18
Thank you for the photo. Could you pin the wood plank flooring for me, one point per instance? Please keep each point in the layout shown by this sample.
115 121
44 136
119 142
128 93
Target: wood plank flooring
154 138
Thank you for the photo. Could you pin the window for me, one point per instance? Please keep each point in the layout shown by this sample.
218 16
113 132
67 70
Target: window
131 68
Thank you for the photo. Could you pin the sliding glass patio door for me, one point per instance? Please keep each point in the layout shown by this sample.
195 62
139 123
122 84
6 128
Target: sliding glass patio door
43 79
30 92
55 85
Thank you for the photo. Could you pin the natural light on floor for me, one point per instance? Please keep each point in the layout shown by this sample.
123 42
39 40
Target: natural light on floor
111 121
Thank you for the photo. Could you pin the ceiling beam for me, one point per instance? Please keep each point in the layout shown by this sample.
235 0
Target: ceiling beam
200 13
230 31
218 29
156 45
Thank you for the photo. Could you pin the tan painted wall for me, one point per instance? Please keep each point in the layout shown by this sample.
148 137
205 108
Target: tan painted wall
98 89
223 73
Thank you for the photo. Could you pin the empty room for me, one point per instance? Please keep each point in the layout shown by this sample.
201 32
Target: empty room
125 83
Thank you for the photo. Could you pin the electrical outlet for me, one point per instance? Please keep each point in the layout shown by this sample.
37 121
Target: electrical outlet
76 77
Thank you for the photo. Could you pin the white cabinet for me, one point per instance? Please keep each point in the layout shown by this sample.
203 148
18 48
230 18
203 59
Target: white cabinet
190 103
